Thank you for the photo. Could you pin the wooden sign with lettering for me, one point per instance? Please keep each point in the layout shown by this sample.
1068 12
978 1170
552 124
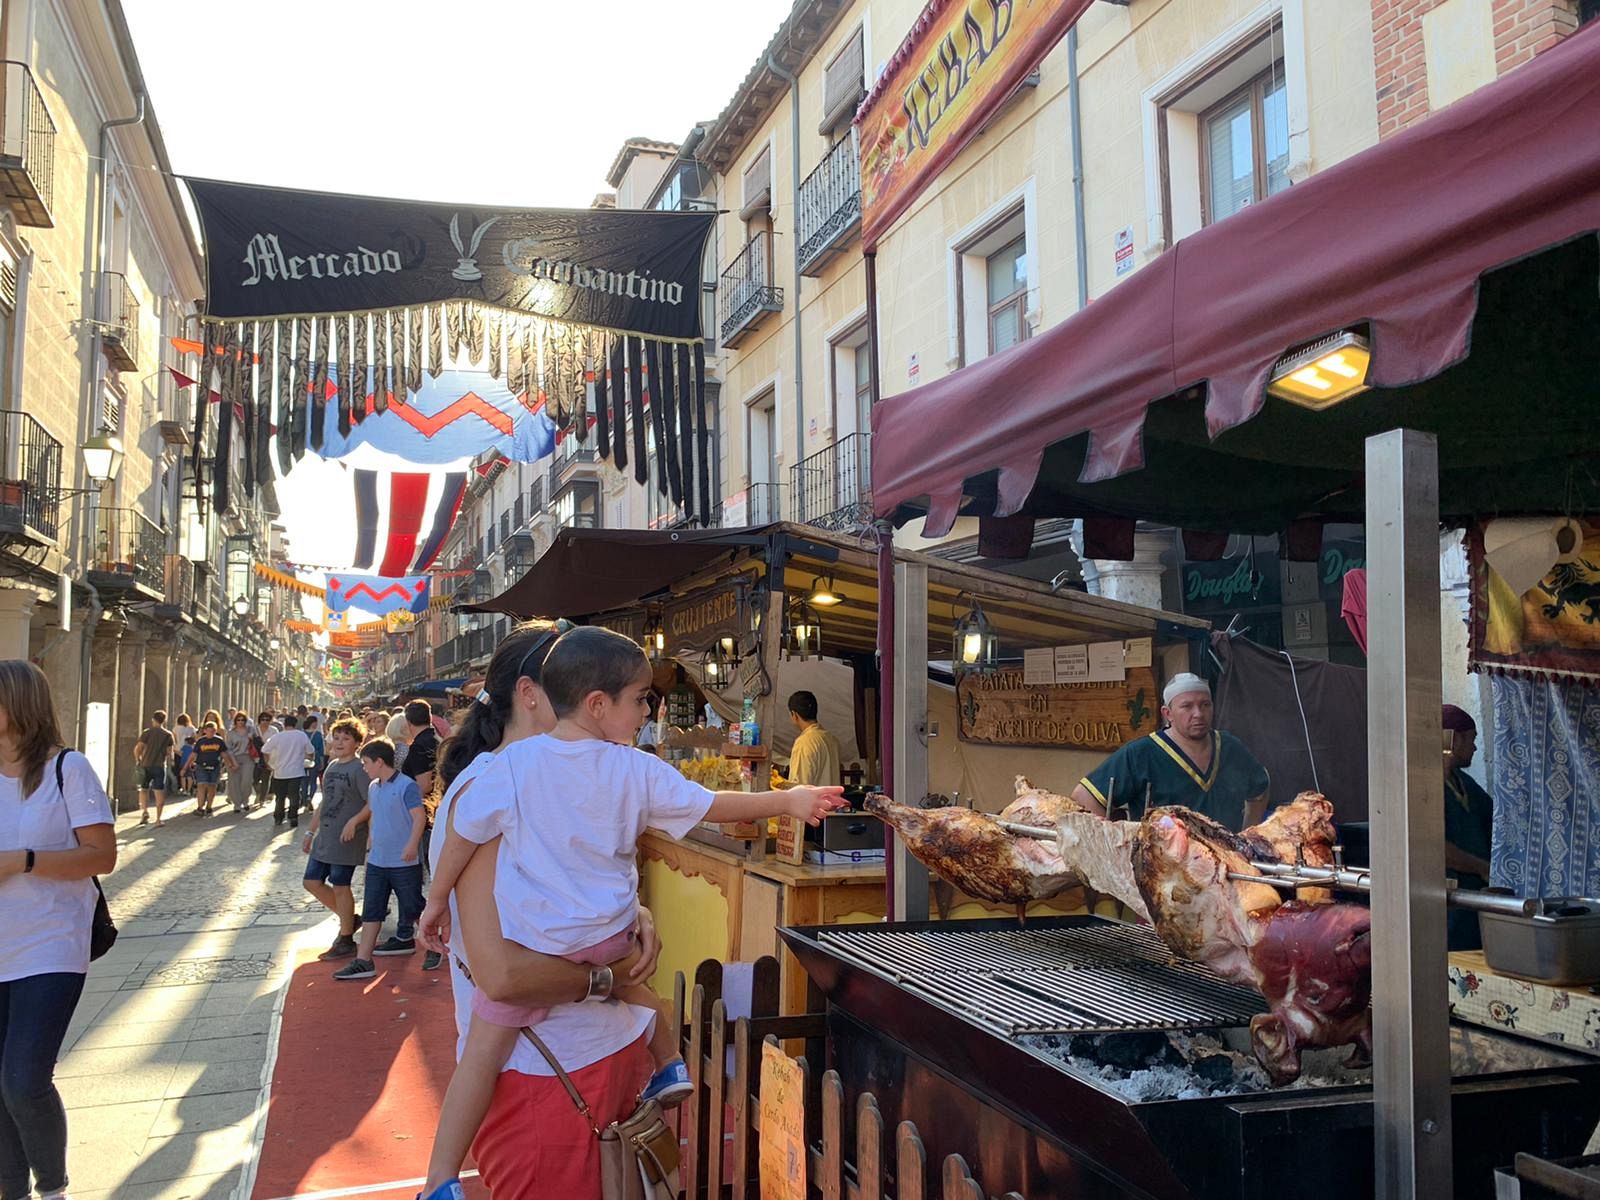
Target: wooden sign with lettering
999 709
701 619
783 1125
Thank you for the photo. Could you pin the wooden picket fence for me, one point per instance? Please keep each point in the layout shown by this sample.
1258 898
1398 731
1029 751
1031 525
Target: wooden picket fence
728 1105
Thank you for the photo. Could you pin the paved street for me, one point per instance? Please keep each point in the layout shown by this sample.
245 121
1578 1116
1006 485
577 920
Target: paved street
163 1068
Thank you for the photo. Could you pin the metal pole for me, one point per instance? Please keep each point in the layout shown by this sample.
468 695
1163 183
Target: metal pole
1405 780
910 897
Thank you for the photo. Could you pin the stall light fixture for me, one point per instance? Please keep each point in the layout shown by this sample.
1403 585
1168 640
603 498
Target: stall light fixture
718 669
655 642
802 638
1324 373
102 457
975 645
822 593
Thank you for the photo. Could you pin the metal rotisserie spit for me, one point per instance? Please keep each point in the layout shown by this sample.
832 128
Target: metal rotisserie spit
1079 1059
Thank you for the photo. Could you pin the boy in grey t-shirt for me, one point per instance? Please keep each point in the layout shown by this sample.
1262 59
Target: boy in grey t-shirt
333 859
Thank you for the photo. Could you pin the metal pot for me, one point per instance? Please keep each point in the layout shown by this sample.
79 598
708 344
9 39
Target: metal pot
1559 944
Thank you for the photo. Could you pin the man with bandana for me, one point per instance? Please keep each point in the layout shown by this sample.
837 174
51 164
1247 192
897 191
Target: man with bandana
1188 762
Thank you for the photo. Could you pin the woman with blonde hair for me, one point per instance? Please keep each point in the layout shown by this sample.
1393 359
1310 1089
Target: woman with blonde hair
56 833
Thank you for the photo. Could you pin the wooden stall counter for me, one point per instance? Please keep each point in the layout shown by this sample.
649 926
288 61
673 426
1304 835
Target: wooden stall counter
712 903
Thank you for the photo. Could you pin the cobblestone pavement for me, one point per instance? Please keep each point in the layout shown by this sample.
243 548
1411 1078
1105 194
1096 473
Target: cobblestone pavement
166 1060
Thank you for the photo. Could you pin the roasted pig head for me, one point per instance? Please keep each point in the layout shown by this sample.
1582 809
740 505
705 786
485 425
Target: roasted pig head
1312 963
970 850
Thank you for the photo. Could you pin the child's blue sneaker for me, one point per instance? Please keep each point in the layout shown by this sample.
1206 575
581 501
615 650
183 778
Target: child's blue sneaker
670 1085
450 1189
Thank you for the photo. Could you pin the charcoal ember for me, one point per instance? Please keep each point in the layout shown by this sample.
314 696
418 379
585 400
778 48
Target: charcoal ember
1131 1051
1213 1068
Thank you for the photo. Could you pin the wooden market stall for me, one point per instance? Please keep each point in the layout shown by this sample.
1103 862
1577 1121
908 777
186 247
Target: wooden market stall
739 619
1407 336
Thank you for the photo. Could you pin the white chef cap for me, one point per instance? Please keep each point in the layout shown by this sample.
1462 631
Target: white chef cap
1179 684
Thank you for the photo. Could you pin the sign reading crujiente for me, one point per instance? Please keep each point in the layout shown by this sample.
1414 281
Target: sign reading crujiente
961 61
701 619
271 252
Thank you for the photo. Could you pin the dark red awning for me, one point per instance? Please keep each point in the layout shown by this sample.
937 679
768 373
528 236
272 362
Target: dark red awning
1396 239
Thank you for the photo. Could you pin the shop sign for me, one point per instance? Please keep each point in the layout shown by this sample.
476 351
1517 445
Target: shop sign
1122 254
629 624
356 641
1232 583
999 709
783 1125
956 67
699 620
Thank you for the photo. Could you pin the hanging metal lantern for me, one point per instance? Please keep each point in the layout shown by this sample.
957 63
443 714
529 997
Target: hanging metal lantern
718 667
975 646
655 640
802 635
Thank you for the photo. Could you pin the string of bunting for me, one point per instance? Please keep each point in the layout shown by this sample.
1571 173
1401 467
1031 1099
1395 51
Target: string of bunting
285 580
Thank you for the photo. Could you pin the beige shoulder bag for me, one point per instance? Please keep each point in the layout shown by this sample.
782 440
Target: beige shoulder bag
638 1155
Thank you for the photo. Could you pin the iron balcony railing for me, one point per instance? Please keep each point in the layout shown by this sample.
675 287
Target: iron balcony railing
746 289
128 543
30 503
564 463
830 206
832 489
763 504
412 671
119 320
27 148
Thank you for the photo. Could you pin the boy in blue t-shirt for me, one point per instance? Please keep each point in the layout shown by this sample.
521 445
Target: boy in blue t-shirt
395 819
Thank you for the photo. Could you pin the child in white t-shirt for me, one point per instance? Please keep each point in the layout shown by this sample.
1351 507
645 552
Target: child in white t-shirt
570 807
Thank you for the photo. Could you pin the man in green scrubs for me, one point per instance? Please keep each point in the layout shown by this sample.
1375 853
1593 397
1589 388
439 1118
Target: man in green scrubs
1187 763
1468 825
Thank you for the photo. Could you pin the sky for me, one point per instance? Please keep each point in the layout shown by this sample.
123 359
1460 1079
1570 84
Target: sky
511 103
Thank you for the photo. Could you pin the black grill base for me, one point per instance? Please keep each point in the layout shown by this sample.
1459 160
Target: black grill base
1025 1123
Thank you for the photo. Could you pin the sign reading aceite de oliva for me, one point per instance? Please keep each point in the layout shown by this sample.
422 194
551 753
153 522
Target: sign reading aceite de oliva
999 709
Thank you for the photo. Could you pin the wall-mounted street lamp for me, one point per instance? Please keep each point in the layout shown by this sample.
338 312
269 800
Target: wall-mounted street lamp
102 458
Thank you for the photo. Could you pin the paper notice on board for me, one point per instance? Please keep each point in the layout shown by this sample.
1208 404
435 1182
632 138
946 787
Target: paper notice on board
1039 667
1072 664
1105 663
1137 652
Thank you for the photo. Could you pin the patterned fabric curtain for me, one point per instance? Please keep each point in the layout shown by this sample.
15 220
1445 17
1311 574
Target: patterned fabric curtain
1546 787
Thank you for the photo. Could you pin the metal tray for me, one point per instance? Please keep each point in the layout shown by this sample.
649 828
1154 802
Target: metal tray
1558 945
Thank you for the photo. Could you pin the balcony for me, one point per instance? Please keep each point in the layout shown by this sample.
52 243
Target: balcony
178 604
411 671
758 504
119 321
830 206
30 504
565 464
130 556
833 488
27 149
746 292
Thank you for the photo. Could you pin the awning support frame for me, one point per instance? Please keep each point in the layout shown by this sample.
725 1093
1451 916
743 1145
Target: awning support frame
1410 1003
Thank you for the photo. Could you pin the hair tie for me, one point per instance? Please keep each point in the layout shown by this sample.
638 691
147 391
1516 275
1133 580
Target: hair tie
483 697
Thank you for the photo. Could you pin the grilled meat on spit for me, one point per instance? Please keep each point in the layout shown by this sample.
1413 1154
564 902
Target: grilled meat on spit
1035 806
1312 963
971 851
1299 833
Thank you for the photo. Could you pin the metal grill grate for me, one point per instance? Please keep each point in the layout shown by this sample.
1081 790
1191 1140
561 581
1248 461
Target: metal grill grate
1087 979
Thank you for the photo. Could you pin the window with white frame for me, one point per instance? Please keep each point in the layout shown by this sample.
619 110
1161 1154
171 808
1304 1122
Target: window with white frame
993 277
1223 127
852 383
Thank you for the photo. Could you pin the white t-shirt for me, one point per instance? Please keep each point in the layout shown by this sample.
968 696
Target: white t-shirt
46 921
571 815
577 1034
286 753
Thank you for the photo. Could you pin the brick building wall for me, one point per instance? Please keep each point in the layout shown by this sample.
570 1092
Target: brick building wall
1405 35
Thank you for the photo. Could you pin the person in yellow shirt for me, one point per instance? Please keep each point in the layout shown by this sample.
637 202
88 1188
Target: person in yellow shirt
814 759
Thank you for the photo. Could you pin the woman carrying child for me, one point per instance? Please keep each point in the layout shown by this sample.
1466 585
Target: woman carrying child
571 806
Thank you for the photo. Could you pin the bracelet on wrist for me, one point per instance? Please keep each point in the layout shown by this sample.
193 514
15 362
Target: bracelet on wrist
601 981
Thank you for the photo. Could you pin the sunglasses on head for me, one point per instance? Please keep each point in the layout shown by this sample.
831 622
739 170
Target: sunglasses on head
539 643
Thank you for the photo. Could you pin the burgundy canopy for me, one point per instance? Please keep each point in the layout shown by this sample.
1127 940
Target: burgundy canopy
1394 239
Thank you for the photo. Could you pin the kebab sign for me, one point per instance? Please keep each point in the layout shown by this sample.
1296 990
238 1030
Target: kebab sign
957 66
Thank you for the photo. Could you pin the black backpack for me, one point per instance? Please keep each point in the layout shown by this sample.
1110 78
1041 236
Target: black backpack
102 929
